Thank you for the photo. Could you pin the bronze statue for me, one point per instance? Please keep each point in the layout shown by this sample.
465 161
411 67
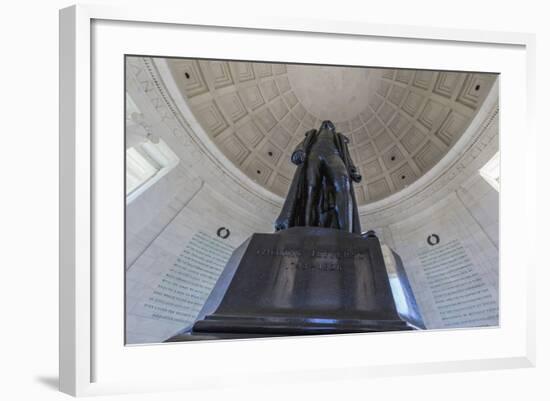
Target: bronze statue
321 193
302 279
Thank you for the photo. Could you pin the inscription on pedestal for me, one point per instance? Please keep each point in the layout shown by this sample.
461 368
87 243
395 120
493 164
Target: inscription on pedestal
314 253
321 259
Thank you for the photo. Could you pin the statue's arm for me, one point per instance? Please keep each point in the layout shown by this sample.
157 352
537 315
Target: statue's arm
299 154
353 171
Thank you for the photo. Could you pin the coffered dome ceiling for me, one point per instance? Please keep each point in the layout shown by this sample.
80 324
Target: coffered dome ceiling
400 122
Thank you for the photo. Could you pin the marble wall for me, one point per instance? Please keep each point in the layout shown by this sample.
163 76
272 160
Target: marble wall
451 262
194 215
165 223
465 223
170 279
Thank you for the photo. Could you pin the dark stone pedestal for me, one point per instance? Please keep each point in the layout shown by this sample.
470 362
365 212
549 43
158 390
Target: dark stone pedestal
300 281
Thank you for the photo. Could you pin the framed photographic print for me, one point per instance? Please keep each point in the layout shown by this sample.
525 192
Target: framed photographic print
283 197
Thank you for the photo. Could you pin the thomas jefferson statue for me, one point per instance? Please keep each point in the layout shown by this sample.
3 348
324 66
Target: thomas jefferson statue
321 193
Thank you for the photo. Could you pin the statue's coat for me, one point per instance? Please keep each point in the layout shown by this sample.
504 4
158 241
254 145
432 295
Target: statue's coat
293 211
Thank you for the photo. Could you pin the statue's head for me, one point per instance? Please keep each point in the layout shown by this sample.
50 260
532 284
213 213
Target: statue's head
327 124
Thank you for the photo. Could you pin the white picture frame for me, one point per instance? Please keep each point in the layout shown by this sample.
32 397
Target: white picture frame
94 360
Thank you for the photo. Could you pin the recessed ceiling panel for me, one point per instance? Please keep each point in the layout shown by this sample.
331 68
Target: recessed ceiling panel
400 122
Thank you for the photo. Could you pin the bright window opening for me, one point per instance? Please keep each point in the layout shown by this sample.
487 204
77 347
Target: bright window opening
491 171
146 163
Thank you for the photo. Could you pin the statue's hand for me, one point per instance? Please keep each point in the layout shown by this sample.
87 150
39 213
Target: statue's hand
280 225
355 176
298 157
